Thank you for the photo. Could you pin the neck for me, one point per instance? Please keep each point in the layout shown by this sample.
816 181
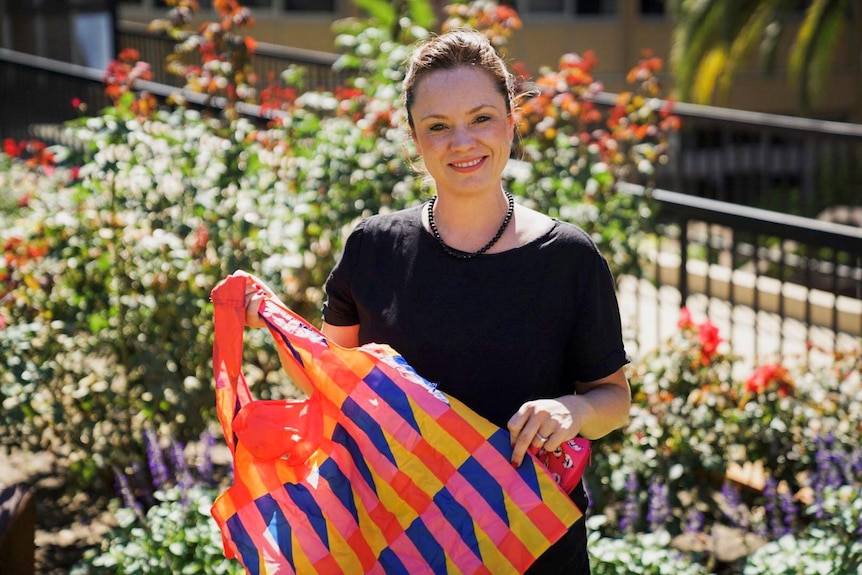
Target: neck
469 225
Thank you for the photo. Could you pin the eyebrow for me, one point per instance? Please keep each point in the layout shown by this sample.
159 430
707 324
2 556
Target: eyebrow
435 116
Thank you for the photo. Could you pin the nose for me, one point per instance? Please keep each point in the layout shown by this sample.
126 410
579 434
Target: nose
462 138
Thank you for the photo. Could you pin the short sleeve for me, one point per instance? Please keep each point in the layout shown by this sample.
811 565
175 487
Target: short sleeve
340 308
596 346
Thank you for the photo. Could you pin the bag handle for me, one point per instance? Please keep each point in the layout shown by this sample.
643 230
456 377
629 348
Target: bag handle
268 429
232 392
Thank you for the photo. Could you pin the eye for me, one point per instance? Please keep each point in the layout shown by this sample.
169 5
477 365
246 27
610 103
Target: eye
482 118
436 127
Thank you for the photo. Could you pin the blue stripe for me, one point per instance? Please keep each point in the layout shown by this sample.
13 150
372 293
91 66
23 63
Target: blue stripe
286 342
244 544
406 368
428 546
304 500
276 524
485 484
391 564
340 485
341 437
367 424
500 439
460 519
392 394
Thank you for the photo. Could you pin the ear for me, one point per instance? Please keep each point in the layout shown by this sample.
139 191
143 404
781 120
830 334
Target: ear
510 121
415 141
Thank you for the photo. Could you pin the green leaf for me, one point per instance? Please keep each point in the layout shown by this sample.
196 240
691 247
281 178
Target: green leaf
381 10
422 13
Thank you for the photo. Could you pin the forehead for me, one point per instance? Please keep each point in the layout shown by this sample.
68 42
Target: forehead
464 86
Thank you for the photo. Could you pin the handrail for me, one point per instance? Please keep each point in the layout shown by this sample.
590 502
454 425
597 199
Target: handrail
55 66
825 234
759 119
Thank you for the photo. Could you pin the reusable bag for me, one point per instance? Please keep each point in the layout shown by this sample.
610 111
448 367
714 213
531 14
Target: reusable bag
375 472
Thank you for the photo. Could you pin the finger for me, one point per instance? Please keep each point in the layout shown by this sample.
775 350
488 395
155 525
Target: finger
525 440
515 425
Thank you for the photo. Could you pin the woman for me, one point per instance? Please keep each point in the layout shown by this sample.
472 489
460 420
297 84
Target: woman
510 311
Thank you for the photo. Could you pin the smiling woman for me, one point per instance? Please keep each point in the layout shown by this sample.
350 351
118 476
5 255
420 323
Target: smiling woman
509 311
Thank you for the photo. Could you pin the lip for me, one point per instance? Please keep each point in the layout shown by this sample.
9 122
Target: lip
468 165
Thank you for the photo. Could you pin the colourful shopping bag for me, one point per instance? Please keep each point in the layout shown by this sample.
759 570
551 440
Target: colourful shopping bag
375 472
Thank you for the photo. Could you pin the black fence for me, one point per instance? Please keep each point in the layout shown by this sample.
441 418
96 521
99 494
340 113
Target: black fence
766 268
778 285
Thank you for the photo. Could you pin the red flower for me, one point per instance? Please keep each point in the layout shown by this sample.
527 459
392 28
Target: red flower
709 339
12 148
770 377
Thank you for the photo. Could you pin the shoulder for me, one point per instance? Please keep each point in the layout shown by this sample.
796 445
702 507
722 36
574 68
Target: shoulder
389 224
386 233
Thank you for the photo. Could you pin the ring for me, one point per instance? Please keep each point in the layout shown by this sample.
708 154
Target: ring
541 437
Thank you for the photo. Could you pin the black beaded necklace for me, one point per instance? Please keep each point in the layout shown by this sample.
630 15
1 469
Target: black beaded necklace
469 255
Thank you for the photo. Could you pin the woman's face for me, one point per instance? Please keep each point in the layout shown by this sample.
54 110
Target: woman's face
462 130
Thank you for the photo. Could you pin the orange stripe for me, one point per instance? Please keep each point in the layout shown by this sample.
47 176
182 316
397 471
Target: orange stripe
461 430
412 494
517 552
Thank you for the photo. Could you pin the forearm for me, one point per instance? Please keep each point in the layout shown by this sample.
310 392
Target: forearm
602 408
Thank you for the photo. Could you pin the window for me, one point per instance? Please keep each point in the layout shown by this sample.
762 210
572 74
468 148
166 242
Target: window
285 5
569 7
309 5
652 7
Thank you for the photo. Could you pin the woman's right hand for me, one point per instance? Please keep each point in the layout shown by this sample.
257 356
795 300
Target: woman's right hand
255 292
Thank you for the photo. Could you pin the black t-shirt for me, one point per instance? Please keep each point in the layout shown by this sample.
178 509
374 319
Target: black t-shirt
494 331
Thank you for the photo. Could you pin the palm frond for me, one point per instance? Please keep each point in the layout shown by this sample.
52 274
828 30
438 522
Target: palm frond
813 50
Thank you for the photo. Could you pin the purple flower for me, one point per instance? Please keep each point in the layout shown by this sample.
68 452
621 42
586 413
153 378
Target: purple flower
788 510
694 520
205 461
631 511
181 466
734 504
659 505
124 489
156 460
772 508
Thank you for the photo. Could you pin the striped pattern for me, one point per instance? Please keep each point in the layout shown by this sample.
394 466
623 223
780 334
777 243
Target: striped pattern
376 472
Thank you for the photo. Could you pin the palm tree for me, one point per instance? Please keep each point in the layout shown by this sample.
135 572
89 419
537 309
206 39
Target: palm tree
713 38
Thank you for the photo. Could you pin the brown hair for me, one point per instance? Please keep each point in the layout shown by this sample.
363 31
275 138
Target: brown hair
451 50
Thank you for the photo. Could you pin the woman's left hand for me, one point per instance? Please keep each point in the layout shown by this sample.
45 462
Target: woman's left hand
541 423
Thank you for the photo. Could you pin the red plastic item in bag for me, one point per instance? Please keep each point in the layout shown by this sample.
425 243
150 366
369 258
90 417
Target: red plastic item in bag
568 462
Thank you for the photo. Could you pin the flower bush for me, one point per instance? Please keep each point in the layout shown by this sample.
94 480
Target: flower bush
765 466
164 525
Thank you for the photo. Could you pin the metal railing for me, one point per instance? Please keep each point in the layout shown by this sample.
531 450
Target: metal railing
778 285
794 165
769 272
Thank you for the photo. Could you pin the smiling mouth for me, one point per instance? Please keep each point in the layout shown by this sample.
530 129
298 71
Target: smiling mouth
470 164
